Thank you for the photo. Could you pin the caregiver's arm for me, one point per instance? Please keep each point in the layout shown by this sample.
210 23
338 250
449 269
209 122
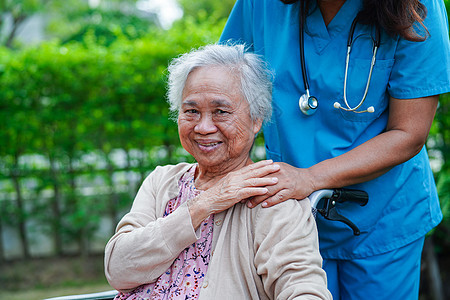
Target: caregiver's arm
406 132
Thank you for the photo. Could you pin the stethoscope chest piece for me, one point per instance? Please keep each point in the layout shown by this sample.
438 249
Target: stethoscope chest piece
308 104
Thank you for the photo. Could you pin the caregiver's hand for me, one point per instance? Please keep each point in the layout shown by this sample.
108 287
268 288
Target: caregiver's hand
293 183
250 181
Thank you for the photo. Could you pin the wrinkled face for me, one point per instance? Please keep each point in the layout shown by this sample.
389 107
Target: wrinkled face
214 121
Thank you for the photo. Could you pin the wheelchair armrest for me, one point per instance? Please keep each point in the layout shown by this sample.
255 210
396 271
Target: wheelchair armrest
316 196
333 196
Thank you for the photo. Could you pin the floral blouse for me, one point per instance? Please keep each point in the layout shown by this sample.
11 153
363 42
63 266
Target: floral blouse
184 277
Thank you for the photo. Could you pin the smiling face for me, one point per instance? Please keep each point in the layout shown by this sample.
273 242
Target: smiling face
214 122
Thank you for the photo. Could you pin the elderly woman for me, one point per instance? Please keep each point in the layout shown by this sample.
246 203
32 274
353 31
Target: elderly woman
189 235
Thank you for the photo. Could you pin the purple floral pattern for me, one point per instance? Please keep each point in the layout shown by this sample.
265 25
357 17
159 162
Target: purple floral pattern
184 277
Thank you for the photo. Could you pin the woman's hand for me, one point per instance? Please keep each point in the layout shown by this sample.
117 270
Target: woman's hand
293 183
250 181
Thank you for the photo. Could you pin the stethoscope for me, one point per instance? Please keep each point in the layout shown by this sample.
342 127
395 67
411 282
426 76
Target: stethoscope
308 104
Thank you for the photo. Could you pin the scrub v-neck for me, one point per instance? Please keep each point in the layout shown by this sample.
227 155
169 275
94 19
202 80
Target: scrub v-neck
321 35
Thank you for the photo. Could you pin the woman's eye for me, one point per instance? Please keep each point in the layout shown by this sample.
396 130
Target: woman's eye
220 111
191 111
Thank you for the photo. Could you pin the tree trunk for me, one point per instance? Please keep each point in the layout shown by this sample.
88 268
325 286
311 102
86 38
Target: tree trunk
434 280
20 206
17 21
56 210
2 253
73 207
113 197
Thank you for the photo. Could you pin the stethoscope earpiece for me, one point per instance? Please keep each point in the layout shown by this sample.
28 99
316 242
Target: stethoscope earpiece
370 109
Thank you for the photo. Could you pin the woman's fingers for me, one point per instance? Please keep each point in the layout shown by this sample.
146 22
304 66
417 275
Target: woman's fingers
251 192
258 182
258 164
257 170
249 181
255 175
293 183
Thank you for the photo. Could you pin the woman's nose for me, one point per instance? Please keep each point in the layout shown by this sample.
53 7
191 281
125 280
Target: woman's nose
205 125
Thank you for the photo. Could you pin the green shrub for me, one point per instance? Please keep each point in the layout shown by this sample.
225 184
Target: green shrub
61 103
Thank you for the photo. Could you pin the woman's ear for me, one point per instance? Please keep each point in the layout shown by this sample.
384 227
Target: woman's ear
257 124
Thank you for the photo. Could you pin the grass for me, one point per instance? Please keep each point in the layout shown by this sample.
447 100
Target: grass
43 293
42 278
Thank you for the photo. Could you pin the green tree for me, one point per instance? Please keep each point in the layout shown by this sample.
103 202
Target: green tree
217 9
71 19
105 21
17 131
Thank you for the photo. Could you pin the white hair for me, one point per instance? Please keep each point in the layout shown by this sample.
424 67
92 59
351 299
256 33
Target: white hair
255 77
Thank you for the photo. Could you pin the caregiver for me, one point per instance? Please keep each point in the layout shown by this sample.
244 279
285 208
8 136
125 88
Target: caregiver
356 89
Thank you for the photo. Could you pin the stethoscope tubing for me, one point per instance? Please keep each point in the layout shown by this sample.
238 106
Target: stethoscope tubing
376 44
302 48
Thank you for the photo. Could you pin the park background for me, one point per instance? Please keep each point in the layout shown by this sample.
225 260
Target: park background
83 119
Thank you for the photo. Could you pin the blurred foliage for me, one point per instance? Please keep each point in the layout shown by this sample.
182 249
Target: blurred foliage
67 101
199 8
439 143
67 106
73 19
70 20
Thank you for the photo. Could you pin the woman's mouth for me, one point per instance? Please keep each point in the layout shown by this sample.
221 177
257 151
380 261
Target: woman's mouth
208 146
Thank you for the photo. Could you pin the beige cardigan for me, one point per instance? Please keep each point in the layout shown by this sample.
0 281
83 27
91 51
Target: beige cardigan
259 253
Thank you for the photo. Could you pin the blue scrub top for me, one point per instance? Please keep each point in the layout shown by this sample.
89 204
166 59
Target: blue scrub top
403 203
